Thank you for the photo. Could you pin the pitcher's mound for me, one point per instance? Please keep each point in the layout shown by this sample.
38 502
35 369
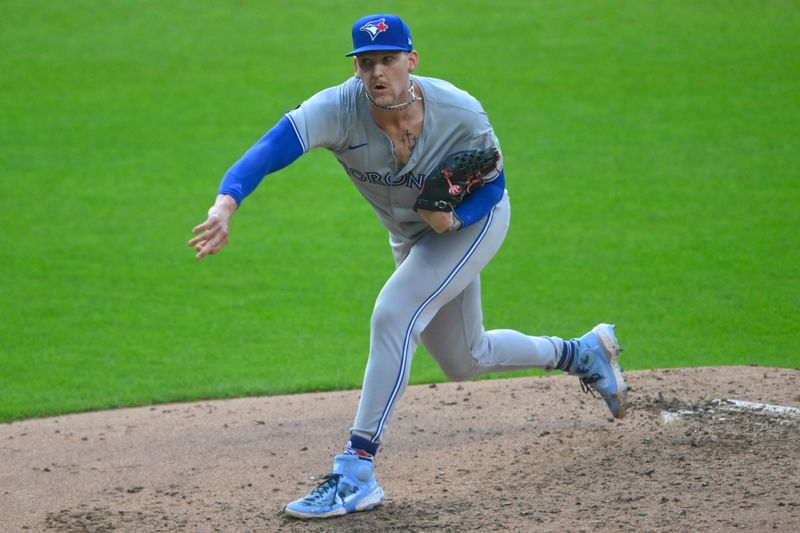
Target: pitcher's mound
700 450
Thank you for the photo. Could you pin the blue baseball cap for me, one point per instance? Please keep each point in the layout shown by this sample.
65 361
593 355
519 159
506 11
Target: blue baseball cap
380 32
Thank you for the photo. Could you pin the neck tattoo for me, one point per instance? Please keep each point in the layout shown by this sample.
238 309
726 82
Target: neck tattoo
412 97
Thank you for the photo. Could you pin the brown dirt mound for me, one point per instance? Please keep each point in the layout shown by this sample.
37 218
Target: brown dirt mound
525 454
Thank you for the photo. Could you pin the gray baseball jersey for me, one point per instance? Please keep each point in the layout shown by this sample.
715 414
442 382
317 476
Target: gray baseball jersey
339 119
434 294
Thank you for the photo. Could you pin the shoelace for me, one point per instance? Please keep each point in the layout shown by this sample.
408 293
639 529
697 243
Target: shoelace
588 380
330 481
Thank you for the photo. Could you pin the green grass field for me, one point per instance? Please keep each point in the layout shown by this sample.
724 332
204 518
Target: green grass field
651 151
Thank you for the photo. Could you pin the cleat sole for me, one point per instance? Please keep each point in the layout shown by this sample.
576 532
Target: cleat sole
611 349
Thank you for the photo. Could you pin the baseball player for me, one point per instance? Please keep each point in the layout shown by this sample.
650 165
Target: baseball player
423 153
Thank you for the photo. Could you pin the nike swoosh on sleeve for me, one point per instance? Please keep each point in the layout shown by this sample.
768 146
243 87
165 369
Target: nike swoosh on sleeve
354 146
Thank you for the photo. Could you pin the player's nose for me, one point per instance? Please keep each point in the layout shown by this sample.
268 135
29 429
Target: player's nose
380 71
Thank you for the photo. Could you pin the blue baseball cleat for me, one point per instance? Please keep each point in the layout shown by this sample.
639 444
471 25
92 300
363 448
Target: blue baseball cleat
350 488
596 366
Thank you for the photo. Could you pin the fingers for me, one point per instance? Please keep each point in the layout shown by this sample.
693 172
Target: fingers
198 240
200 227
213 235
211 221
211 247
207 235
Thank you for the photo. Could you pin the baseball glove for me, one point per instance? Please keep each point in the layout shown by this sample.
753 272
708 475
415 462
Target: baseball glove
459 174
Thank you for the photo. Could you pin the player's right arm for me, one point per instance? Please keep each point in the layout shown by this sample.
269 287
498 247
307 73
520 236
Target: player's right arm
277 149
317 122
212 235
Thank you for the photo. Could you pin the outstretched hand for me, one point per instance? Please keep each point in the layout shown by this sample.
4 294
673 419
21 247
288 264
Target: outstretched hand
212 235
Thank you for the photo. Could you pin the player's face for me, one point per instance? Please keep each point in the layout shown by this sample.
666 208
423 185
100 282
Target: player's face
386 74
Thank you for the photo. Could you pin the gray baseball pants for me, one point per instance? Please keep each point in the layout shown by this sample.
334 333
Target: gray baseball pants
434 296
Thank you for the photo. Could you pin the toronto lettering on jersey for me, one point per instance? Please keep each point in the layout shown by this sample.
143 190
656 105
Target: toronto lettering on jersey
409 179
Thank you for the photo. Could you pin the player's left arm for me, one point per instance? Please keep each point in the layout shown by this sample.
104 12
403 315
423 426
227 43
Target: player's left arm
474 208
478 204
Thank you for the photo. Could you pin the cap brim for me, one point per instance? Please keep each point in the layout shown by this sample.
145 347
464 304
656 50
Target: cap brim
377 48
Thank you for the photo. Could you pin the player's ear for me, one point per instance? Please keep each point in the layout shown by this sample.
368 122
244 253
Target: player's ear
355 67
413 61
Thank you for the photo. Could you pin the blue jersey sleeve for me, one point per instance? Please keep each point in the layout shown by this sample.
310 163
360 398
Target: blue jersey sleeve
277 149
478 204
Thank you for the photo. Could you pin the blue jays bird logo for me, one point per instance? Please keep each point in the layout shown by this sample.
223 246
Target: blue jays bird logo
374 27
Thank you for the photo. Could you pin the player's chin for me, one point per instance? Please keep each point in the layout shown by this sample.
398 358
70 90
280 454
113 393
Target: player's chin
382 95
381 100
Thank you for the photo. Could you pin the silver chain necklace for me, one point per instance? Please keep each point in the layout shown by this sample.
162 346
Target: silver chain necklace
397 107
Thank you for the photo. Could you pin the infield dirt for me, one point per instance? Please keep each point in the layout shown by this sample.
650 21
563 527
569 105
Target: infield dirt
523 454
